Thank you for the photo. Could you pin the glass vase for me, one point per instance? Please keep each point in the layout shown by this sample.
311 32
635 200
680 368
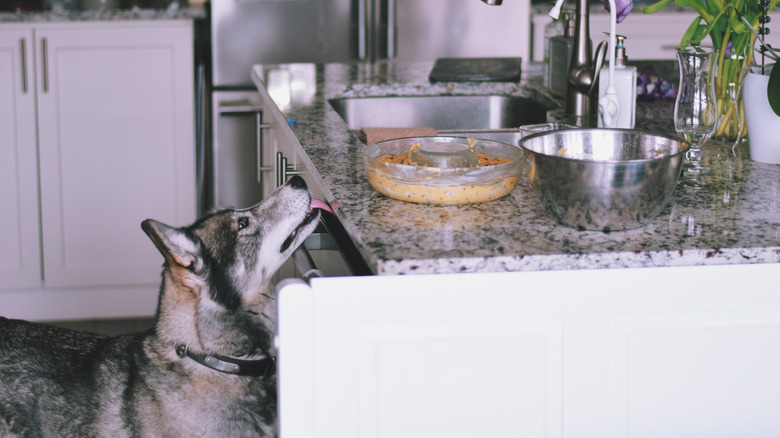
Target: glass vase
696 107
728 91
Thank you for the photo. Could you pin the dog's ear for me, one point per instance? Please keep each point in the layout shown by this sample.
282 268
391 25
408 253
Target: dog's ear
174 244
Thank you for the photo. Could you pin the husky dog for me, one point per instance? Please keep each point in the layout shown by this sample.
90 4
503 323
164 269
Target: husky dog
207 366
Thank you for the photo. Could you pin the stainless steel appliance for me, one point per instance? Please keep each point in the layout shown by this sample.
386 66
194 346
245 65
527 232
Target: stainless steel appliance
248 32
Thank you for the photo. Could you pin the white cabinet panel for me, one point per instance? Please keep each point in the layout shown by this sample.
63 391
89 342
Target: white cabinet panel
416 358
515 364
116 147
20 264
653 352
707 374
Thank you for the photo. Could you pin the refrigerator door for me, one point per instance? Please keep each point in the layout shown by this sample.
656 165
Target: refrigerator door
248 32
234 155
419 30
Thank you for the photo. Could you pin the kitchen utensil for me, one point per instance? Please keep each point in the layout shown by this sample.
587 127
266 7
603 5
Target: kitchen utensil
444 186
604 179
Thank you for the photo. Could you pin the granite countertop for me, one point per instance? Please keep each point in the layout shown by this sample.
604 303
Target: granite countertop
724 211
172 13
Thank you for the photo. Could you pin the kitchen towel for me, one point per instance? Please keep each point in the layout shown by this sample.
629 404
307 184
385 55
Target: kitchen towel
374 135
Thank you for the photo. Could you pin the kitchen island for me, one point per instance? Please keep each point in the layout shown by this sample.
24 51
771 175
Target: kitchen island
724 210
677 343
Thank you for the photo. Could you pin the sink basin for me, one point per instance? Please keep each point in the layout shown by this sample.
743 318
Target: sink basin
443 113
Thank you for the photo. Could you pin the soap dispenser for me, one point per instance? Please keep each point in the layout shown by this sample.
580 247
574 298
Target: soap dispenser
559 55
625 86
552 29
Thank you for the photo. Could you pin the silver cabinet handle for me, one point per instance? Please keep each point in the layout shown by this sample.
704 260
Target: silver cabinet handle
45 64
284 170
362 28
391 28
23 55
239 108
260 127
305 264
280 161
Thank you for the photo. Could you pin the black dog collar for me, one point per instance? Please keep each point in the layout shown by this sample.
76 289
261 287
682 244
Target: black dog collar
264 367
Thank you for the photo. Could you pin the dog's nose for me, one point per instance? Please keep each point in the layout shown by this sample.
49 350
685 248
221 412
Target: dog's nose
297 182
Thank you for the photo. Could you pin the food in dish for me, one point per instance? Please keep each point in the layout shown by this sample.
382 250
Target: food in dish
445 195
484 160
389 172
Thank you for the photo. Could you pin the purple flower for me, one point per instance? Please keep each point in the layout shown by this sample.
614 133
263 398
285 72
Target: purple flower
666 89
654 88
623 8
642 81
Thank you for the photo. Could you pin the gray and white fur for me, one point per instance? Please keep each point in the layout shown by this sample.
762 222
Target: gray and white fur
215 299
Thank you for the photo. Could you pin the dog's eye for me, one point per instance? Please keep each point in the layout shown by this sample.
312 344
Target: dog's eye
243 222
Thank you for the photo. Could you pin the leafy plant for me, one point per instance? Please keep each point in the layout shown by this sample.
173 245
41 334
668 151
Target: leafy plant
773 88
733 26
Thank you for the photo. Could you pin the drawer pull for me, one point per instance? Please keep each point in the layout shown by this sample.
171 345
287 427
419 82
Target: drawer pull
284 170
260 167
45 64
23 55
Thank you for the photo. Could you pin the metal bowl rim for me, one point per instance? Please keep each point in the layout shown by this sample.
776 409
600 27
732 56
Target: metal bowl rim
682 150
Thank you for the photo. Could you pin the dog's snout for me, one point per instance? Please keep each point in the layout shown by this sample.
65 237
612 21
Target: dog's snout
297 182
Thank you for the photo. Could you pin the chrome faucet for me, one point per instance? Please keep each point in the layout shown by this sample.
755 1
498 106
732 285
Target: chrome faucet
582 86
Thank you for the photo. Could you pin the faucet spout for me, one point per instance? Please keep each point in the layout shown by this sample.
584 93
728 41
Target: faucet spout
582 85
492 2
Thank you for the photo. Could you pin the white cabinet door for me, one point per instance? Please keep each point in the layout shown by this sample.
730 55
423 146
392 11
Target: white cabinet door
419 356
651 352
116 139
20 259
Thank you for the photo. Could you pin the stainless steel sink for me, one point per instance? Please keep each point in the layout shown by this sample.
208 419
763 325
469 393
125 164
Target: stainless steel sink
447 114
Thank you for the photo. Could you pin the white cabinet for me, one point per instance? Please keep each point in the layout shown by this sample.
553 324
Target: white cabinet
652 352
115 145
20 264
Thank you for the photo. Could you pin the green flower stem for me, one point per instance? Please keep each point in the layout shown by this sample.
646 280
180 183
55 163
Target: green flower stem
655 7
697 7
726 21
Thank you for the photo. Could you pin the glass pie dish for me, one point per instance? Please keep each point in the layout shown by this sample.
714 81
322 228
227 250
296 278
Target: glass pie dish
425 184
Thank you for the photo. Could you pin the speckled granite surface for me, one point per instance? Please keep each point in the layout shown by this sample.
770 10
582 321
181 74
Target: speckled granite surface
727 210
108 15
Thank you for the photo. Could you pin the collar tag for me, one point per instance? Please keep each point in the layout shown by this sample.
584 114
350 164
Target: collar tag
221 365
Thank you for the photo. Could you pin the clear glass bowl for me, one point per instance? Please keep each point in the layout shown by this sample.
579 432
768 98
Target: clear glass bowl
443 185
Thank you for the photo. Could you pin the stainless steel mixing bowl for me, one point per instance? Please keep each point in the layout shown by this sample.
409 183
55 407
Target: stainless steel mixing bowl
604 179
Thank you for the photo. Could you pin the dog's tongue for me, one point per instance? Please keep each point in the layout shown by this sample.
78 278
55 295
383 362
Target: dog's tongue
316 203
